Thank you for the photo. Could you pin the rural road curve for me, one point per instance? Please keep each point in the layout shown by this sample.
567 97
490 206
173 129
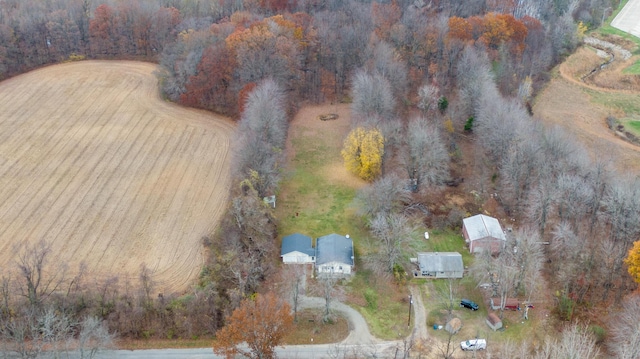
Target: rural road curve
359 331
359 342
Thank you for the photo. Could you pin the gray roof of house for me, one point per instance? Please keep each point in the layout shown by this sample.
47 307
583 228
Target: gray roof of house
480 226
334 248
297 242
440 262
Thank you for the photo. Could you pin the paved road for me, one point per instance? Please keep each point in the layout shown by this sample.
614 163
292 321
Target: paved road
322 351
628 19
359 343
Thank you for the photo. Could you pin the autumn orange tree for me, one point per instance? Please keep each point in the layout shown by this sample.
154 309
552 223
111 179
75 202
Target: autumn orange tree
260 322
362 152
633 261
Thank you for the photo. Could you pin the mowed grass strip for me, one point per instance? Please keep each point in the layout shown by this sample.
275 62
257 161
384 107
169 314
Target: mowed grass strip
634 69
95 162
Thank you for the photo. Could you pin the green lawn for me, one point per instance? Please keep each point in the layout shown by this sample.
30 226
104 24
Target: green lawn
634 124
313 203
633 69
627 103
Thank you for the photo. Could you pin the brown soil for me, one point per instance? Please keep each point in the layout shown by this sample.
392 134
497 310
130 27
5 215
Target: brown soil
564 103
95 162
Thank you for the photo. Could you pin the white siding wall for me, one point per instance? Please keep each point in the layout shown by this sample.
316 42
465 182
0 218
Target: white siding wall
297 258
335 268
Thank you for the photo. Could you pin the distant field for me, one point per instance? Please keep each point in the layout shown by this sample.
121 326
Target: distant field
94 161
582 109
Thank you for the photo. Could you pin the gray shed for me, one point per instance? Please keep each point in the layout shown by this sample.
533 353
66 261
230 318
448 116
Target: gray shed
453 326
493 321
440 265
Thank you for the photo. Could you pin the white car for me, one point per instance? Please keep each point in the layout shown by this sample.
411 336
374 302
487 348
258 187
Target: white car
474 344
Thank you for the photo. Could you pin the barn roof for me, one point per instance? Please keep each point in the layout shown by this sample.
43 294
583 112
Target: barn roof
481 226
440 262
334 248
297 242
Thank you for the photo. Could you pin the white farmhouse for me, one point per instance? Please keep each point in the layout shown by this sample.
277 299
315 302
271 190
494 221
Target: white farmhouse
334 255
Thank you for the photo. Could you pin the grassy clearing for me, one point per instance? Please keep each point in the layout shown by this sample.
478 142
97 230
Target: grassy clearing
628 104
633 69
313 202
634 124
631 124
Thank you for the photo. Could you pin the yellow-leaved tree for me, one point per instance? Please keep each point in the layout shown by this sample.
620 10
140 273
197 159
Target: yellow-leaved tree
362 152
633 261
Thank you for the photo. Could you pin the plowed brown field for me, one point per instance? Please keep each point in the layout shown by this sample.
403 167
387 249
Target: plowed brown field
95 162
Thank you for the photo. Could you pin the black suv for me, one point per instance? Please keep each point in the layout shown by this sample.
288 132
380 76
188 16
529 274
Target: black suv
468 304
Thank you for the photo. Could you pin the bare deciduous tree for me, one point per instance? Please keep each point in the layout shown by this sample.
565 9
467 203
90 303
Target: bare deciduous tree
428 96
384 196
36 280
261 137
448 294
94 336
626 331
391 232
294 280
372 97
575 342
425 157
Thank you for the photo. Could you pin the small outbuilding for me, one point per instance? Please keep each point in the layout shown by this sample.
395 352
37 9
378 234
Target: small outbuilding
334 255
297 249
453 326
483 233
439 265
494 322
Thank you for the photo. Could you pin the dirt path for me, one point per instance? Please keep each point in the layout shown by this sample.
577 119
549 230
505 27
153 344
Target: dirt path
565 103
93 161
420 331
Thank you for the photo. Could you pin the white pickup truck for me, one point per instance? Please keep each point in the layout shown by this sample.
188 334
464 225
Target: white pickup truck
474 344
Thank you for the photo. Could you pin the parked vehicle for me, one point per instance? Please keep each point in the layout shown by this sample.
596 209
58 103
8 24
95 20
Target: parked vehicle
509 304
474 344
466 303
